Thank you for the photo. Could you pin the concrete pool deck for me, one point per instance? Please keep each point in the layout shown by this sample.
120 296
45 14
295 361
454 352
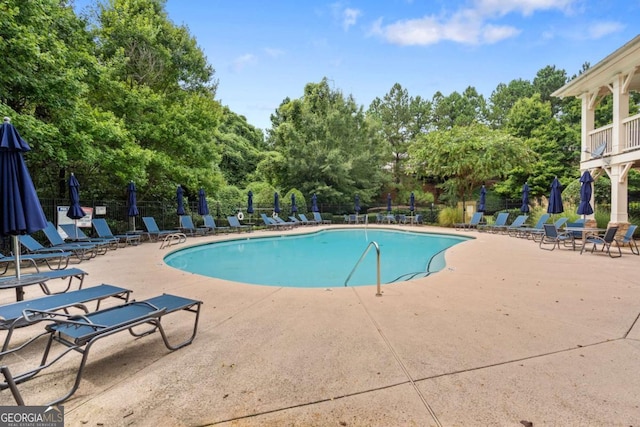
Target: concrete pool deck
506 334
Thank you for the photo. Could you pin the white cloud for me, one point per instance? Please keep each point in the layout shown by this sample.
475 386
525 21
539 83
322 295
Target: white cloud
478 24
350 17
273 53
601 29
243 61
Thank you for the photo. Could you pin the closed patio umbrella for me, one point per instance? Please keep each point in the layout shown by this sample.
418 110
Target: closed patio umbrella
412 203
294 208
276 203
179 198
314 203
357 204
75 211
20 209
132 203
250 202
203 208
483 199
555 198
389 202
585 208
525 198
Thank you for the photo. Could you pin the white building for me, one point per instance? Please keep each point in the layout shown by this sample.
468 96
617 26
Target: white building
615 148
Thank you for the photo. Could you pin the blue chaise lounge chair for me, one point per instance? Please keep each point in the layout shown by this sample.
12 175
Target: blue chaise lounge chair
102 228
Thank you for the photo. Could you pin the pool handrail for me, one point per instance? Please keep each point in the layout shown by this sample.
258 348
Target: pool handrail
366 251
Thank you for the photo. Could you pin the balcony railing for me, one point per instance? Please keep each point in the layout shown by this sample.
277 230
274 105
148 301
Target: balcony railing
631 127
604 135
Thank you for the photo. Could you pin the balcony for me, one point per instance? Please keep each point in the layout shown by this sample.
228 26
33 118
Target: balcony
604 135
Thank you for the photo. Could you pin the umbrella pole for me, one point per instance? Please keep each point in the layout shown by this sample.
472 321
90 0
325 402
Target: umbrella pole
16 251
134 223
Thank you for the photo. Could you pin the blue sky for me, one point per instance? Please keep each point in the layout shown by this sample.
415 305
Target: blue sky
265 51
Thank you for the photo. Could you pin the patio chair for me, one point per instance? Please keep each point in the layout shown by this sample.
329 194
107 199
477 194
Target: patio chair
628 239
499 224
84 249
77 334
473 222
419 218
319 219
527 232
78 236
154 231
56 260
34 247
551 236
295 221
537 234
41 278
102 228
234 223
12 315
606 240
284 223
307 221
187 226
516 224
210 223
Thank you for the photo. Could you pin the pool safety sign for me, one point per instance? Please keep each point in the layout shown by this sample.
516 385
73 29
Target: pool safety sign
31 416
84 222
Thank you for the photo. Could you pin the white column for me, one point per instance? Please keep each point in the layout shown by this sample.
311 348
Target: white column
619 183
588 123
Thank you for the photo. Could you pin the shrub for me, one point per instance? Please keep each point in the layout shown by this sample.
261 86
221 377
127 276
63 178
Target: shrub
449 216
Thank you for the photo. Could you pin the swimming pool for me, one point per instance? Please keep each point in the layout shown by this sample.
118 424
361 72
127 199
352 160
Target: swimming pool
321 259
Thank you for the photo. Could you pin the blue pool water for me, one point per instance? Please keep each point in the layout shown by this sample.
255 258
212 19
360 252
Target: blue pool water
318 260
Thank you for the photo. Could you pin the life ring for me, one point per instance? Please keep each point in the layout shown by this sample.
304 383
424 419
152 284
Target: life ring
275 215
240 216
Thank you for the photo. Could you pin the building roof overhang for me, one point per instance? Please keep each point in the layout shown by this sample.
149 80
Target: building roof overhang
597 79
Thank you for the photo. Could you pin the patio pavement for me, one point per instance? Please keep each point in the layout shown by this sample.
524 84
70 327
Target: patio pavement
507 334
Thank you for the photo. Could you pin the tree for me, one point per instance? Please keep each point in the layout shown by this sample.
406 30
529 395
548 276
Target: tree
328 147
400 119
504 97
458 109
464 157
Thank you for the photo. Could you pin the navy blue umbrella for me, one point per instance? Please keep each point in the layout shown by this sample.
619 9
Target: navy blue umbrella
555 198
483 199
203 208
276 203
388 202
412 203
294 208
250 203
132 206
179 194
20 209
357 204
525 198
75 211
585 208
314 203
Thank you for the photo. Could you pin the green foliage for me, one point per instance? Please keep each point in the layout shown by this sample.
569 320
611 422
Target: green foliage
327 147
301 201
449 216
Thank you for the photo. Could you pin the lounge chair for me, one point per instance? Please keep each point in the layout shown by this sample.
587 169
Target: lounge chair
419 219
473 222
537 234
281 221
234 223
187 227
379 218
551 236
528 232
56 260
102 228
77 235
295 221
319 219
307 221
12 315
499 224
152 228
628 239
35 247
271 223
79 333
517 224
81 249
41 278
606 240
210 223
